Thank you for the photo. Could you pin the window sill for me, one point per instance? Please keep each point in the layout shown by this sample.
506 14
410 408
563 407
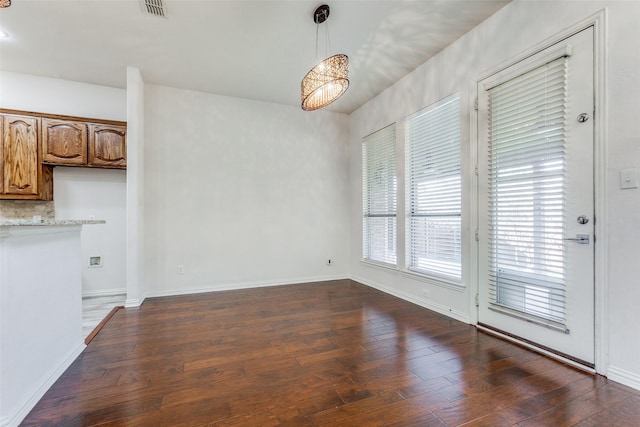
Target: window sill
435 280
384 267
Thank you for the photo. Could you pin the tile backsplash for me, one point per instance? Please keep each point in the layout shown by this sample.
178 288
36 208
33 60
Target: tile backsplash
26 209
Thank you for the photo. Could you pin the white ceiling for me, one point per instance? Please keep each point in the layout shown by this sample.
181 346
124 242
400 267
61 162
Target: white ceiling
250 49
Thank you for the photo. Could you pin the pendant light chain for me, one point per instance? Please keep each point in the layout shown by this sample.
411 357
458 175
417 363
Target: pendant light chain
327 42
317 31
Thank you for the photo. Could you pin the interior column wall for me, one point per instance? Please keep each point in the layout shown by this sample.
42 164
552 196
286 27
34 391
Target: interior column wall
136 284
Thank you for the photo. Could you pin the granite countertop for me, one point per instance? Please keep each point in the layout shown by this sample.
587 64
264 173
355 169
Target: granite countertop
47 222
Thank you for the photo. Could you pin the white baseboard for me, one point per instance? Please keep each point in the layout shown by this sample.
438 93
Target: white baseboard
133 302
621 376
243 285
104 293
13 420
438 308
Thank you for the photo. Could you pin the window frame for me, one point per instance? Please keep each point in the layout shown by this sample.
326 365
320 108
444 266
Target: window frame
385 140
453 119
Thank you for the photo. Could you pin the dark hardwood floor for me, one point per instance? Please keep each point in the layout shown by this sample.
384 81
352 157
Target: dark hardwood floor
334 353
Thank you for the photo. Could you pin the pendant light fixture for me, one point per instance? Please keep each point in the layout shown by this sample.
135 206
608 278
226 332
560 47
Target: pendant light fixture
328 80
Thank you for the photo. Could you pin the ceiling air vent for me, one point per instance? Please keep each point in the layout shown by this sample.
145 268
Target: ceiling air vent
154 7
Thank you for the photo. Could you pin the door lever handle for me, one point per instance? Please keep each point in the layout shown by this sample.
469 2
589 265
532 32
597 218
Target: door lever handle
582 239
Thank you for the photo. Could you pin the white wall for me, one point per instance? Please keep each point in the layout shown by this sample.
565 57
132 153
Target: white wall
623 231
55 96
136 288
80 193
513 30
40 326
241 193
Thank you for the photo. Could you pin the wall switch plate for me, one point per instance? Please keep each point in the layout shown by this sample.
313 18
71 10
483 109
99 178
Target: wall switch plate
628 178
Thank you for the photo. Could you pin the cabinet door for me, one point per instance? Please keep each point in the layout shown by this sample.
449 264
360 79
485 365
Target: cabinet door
64 142
107 146
20 154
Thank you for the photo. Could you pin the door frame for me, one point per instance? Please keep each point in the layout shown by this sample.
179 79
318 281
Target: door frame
601 338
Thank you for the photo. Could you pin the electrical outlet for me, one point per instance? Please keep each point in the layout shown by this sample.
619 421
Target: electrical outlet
180 269
95 261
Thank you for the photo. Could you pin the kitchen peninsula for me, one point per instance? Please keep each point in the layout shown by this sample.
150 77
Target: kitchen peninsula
40 309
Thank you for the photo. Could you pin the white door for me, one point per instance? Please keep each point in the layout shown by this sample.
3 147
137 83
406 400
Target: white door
536 201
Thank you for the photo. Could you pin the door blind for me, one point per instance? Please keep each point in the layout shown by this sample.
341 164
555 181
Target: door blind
433 165
527 192
379 196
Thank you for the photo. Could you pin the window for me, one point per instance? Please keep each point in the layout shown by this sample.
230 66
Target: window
433 181
527 198
379 196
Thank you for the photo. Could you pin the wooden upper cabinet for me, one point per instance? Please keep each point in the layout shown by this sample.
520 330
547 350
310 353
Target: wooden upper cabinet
20 155
107 146
31 144
83 143
64 142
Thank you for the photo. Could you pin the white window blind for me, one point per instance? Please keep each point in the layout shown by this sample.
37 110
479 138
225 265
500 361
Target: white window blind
433 166
379 196
527 192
